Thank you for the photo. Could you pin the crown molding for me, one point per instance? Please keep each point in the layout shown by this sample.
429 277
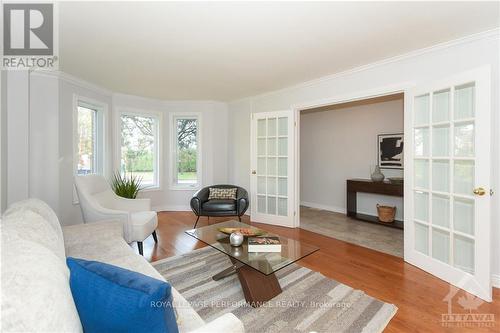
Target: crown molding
98 89
73 80
166 102
493 34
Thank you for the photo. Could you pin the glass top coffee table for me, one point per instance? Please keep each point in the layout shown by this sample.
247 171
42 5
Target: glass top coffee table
255 269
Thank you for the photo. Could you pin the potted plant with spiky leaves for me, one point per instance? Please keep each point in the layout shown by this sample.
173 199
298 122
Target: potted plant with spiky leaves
126 186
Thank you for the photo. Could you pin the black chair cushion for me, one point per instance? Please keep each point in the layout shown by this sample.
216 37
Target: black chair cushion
219 205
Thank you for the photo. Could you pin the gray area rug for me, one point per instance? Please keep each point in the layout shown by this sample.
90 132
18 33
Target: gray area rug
339 226
309 301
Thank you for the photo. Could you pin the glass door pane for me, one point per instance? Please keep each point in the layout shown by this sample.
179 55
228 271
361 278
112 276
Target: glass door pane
441 210
463 212
421 110
421 142
441 106
464 101
463 247
440 141
464 139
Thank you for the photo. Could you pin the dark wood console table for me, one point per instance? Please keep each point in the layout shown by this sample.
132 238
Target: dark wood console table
368 186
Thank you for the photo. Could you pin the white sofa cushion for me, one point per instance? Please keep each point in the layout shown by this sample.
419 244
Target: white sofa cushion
36 296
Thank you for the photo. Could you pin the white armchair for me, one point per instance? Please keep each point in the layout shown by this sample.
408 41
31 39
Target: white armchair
98 202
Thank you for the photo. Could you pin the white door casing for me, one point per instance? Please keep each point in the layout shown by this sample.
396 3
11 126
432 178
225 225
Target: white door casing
272 183
447 180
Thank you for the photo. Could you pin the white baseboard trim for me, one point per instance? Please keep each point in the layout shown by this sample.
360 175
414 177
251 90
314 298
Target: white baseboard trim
495 280
335 209
172 208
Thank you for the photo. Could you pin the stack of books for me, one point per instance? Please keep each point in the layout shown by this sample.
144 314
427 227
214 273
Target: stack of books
264 244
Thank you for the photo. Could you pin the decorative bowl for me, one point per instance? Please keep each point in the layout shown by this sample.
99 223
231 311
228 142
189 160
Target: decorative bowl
246 232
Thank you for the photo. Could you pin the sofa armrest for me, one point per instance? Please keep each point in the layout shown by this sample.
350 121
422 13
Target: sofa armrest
82 233
227 323
132 205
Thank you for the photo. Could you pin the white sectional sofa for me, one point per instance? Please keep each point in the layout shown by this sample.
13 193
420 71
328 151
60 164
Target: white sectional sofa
36 295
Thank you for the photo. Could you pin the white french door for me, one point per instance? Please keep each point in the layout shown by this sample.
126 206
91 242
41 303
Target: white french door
447 180
272 168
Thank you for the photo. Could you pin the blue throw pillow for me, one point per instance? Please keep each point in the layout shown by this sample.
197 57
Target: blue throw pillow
114 299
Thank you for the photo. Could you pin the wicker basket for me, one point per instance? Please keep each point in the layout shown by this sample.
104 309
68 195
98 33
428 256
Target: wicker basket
386 213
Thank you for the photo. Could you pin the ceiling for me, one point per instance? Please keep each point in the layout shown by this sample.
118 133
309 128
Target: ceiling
229 50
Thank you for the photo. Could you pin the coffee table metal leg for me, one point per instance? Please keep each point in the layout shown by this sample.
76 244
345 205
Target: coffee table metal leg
228 271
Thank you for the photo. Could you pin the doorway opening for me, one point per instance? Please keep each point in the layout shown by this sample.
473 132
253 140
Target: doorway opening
342 146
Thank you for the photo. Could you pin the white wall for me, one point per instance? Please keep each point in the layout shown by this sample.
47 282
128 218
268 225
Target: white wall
418 67
239 143
341 144
44 140
17 145
3 141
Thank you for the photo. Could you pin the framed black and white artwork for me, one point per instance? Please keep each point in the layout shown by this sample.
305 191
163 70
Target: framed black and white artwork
390 151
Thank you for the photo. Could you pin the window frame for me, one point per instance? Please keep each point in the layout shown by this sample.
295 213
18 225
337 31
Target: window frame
158 166
100 144
174 185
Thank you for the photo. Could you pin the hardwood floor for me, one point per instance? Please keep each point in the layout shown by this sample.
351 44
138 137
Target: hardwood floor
418 295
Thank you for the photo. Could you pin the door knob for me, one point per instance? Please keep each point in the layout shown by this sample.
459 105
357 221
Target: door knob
254 172
479 191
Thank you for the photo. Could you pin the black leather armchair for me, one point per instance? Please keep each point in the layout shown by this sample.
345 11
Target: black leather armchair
201 206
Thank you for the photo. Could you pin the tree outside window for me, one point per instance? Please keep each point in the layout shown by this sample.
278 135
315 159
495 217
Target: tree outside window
138 148
86 140
187 151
